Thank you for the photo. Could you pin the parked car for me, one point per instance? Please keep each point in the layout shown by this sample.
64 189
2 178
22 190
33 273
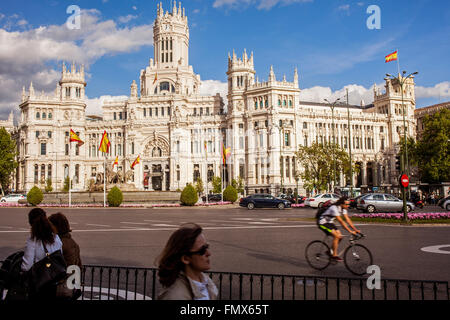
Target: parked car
293 199
213 197
13 197
354 201
318 200
264 200
382 202
445 203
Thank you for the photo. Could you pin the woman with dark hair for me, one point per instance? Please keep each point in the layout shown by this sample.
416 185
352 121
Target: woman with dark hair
71 250
43 233
181 266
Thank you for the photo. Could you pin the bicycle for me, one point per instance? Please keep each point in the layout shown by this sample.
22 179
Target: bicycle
356 256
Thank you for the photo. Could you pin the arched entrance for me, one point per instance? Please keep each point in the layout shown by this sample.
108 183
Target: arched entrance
156 164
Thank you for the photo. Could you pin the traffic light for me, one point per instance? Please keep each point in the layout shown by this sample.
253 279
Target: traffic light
398 163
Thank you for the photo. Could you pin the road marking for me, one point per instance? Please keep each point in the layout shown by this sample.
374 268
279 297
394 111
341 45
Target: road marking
6 227
98 225
437 249
164 225
139 223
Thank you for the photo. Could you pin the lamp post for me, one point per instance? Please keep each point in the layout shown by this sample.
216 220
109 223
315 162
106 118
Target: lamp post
332 105
401 79
350 147
281 127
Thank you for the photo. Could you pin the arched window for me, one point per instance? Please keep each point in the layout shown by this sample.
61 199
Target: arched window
38 115
164 86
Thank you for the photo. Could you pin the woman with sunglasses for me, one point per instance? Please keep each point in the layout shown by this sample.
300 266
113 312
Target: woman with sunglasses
181 266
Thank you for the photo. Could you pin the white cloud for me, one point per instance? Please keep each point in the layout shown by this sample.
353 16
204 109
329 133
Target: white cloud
126 19
260 4
29 55
134 8
94 105
440 90
356 94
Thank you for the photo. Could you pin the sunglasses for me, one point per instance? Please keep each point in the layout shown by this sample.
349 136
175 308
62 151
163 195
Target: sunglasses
201 251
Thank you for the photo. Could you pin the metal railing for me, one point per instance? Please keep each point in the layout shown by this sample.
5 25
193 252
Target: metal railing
135 283
129 283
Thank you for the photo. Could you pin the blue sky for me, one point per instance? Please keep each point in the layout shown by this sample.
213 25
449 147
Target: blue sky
328 41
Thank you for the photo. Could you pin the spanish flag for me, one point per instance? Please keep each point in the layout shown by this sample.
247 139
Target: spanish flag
74 138
104 143
135 162
226 152
391 57
116 162
156 78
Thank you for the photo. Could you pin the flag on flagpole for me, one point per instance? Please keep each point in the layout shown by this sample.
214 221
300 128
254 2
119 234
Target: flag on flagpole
205 145
74 138
135 162
226 152
156 78
391 57
104 143
116 162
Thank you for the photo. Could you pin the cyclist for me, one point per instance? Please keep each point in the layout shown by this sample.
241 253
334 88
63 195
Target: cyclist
326 219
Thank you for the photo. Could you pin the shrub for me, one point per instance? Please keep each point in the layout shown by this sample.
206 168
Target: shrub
35 196
48 187
189 196
230 194
115 197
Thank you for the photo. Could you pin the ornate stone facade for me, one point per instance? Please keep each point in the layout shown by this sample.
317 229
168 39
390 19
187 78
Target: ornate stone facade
178 133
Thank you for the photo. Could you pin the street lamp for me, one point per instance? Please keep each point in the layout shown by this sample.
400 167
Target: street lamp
350 147
281 127
332 105
401 79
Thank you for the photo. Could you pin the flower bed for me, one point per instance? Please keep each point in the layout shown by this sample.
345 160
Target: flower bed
397 217
300 205
204 204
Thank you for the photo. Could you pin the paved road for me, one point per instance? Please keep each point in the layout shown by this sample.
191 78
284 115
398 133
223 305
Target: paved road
261 241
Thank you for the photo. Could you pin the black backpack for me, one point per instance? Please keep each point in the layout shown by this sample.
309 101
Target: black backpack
322 209
12 279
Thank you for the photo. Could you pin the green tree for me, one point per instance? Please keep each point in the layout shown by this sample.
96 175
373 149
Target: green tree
48 187
317 162
189 196
35 196
115 197
217 185
199 186
432 151
230 194
66 184
7 162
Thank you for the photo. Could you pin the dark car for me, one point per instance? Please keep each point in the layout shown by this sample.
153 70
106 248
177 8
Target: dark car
213 197
293 199
354 201
264 200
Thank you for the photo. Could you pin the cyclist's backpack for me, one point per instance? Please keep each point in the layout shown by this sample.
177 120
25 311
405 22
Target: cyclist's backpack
322 209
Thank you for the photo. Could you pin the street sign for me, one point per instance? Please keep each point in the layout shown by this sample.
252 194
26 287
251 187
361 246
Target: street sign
404 180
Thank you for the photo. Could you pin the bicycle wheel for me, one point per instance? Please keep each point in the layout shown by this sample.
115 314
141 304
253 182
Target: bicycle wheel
357 258
317 254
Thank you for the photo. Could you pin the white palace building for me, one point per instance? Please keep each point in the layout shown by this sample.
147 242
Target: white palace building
167 122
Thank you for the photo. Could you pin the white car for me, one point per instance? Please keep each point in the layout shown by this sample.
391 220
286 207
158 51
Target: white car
318 200
12 197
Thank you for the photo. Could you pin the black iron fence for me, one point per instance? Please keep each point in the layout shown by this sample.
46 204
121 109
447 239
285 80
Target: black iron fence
134 283
126 283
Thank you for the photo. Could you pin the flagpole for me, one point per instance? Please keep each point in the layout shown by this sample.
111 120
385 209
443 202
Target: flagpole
398 62
70 180
104 181
206 153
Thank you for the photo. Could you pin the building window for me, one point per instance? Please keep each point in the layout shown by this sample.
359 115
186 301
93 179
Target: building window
287 141
49 133
115 116
196 172
42 173
50 116
43 149
36 174
38 115
44 115
37 134
49 171
77 173
120 115
305 125
132 148
67 149
210 172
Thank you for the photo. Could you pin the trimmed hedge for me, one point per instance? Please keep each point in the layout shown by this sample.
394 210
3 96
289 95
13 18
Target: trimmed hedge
35 196
189 196
230 194
115 197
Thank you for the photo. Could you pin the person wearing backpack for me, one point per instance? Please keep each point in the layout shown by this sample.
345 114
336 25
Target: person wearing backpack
325 217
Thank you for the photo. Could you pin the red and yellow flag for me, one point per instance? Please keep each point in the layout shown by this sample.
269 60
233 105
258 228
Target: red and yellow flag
156 78
391 57
138 159
226 152
104 143
116 162
74 138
